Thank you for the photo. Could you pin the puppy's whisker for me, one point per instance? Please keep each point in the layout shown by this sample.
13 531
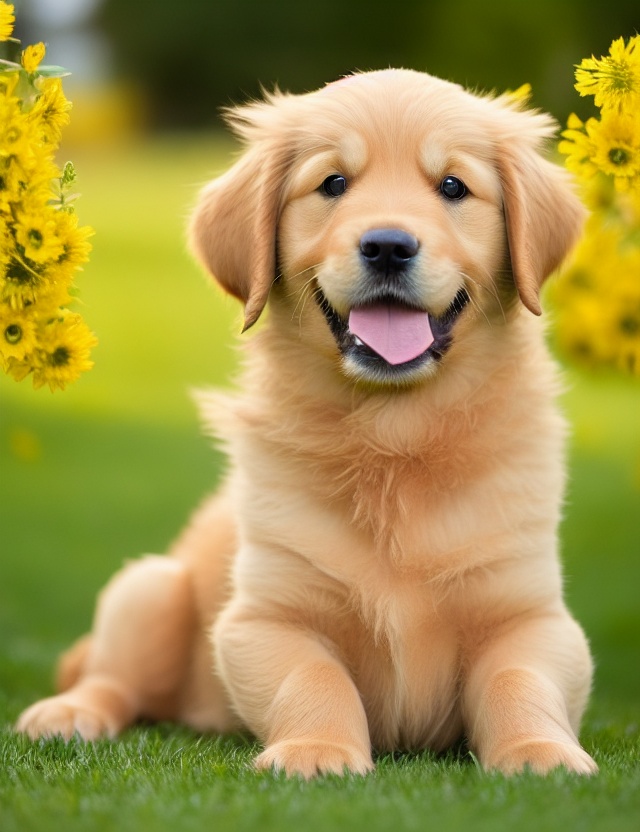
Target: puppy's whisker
478 308
474 302
492 289
298 311
315 291
302 291
303 271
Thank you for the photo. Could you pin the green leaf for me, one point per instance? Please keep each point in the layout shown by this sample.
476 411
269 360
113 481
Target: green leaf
69 175
52 71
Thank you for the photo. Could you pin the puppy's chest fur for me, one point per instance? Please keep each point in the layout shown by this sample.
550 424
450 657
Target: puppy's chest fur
401 635
393 498
412 554
397 486
407 662
405 558
389 552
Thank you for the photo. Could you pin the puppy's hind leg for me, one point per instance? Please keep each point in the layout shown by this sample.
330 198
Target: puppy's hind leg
72 662
132 664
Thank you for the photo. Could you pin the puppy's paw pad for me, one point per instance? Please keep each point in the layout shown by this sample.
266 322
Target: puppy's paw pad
308 758
542 756
57 716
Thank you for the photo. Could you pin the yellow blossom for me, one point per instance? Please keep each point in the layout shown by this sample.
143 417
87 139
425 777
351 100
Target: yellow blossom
51 110
17 334
597 296
596 299
12 122
75 242
20 284
582 331
36 233
41 246
616 146
24 283
625 326
7 19
522 94
32 56
578 147
38 169
614 79
65 345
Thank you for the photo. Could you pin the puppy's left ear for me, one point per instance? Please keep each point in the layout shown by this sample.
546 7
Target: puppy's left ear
233 228
543 217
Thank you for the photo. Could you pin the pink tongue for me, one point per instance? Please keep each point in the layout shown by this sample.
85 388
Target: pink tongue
394 332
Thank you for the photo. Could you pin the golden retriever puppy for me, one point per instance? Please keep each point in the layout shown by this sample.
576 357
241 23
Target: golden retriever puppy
380 569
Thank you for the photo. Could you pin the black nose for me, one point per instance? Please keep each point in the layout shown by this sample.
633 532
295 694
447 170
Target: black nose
388 249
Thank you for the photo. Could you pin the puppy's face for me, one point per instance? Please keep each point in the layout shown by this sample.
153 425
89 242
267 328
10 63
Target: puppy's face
396 211
392 222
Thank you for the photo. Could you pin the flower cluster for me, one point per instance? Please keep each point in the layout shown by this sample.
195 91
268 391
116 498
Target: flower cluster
597 297
41 244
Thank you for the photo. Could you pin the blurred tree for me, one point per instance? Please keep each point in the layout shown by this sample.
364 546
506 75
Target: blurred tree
197 55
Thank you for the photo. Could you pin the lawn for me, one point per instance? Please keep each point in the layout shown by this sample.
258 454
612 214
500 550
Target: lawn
110 469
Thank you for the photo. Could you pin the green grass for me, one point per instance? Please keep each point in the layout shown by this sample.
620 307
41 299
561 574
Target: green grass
110 469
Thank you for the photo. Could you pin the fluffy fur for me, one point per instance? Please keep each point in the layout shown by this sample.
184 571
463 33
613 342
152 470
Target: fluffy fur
380 568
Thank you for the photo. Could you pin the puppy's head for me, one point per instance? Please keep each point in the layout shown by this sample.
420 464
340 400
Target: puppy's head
383 210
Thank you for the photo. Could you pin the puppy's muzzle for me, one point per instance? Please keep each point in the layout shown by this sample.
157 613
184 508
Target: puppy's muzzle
388 250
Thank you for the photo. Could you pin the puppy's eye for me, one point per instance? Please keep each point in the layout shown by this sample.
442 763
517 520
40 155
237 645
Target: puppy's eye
334 185
453 188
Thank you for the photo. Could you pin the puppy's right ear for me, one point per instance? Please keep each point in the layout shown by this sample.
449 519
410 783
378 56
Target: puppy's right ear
233 229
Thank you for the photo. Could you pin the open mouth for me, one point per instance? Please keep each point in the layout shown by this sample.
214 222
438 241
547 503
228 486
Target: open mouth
389 340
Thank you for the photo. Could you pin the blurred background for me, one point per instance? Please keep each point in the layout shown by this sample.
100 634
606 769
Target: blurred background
110 468
180 61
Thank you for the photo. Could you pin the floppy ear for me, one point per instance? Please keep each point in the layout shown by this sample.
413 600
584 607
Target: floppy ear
233 229
543 217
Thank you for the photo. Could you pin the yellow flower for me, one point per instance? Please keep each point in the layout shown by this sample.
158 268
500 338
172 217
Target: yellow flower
522 94
19 283
616 146
51 110
41 246
614 79
32 56
611 145
12 123
7 19
17 333
65 346
580 331
597 296
578 146
597 299
36 233
625 332
75 242
24 282
38 169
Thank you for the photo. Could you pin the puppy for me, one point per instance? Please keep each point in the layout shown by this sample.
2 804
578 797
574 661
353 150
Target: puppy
380 569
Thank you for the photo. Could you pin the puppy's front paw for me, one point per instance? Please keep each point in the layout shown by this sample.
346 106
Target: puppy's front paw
58 716
542 756
308 758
